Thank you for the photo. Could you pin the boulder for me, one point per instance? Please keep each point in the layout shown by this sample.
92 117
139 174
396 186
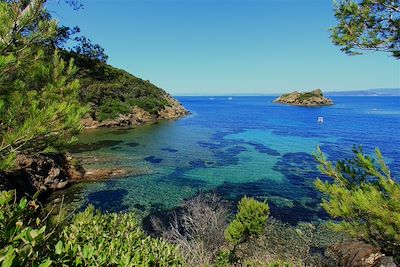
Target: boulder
359 254
42 172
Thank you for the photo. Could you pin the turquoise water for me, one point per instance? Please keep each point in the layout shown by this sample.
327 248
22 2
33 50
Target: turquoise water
243 146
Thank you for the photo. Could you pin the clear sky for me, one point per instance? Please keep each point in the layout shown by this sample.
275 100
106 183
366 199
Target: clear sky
227 46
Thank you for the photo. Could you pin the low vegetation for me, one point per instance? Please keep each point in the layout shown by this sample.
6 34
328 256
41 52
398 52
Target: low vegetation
89 239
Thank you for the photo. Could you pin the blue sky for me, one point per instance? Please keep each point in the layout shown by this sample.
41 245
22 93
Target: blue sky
227 46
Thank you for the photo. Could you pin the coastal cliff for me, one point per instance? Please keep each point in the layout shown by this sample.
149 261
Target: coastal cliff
308 99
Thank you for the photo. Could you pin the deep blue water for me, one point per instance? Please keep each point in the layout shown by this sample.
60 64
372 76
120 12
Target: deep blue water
243 146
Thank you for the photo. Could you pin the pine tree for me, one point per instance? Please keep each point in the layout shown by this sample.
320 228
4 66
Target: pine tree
39 111
363 199
367 25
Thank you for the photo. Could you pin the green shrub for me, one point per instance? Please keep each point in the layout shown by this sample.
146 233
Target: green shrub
249 221
22 234
363 199
112 239
111 108
150 104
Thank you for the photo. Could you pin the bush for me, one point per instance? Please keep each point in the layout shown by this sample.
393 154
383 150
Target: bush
22 234
249 221
113 239
91 239
111 108
363 199
198 229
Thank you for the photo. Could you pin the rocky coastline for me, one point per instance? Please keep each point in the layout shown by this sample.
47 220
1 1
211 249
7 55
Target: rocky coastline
307 99
137 116
49 172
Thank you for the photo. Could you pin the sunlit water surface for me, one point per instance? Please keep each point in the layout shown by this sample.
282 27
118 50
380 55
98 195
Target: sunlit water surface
239 146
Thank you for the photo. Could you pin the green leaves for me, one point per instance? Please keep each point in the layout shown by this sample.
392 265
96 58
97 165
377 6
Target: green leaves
112 239
249 221
39 108
21 236
367 25
364 198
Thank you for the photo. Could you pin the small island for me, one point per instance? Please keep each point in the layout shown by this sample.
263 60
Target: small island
308 99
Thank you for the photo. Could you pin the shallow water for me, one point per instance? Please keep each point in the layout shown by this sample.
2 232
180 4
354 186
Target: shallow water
243 146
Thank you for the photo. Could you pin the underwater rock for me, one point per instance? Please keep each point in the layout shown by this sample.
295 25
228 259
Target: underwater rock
79 148
101 174
153 159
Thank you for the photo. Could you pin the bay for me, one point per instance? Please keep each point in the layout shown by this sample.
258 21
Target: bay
235 147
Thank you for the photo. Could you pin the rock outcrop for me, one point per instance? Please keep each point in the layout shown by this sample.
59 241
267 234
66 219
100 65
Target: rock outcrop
138 116
309 99
42 172
359 254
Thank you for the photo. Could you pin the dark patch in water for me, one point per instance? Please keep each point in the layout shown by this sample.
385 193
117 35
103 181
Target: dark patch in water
132 144
197 163
93 146
264 149
236 150
116 148
309 211
209 145
109 200
229 156
153 159
169 149
178 178
121 131
299 168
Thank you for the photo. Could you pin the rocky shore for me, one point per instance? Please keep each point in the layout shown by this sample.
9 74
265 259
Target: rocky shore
308 99
138 116
42 172
51 172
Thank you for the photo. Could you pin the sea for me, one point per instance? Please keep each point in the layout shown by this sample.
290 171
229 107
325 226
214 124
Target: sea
235 146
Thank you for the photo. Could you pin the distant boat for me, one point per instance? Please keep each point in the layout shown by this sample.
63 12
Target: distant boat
211 98
320 119
230 98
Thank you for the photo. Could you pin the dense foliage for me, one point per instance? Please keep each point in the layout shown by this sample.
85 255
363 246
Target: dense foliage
39 108
364 199
22 235
112 239
249 221
110 91
91 239
367 25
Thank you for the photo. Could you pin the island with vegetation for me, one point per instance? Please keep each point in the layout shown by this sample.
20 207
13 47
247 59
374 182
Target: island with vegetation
307 99
47 89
